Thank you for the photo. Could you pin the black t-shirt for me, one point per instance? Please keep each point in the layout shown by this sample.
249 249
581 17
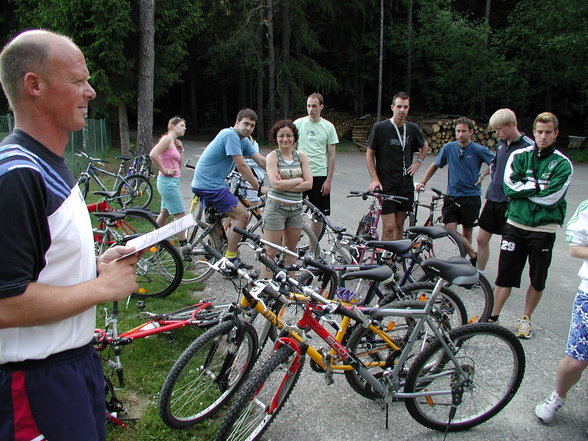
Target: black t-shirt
391 159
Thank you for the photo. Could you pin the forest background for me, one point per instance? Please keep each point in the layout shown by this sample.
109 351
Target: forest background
206 59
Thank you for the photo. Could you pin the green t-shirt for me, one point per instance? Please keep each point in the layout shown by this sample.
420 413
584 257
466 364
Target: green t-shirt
313 139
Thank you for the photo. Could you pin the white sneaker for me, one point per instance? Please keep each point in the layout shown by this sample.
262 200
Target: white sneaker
546 410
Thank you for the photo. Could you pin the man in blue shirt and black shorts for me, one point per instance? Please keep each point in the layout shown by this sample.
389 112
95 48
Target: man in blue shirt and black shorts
464 158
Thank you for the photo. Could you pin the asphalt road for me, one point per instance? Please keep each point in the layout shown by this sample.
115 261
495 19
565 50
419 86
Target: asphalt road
316 411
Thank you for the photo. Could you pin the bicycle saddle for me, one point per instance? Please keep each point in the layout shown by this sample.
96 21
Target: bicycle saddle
379 274
456 270
435 231
107 194
401 246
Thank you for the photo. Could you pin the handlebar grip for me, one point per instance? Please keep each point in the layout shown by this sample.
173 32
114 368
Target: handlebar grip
309 261
355 192
269 263
254 237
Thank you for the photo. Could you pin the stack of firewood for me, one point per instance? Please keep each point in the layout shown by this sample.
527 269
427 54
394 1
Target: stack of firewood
437 132
441 131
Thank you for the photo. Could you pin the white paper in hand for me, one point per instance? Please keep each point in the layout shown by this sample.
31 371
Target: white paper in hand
153 237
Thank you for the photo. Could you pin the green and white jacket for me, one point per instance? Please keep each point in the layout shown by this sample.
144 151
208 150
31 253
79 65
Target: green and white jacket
536 183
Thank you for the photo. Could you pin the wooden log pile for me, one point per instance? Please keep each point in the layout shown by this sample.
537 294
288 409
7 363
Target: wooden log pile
437 131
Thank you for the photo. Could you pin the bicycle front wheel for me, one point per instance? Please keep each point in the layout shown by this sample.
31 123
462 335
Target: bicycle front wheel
207 374
159 271
308 242
489 370
261 398
135 191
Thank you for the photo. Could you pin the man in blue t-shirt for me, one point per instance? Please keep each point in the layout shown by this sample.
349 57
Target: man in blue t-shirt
226 150
464 158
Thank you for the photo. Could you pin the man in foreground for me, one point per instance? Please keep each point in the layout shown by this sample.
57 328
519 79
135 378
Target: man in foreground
51 380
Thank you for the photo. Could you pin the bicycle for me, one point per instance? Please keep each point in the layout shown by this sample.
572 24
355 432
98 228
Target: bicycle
134 189
214 231
200 315
210 371
159 270
460 379
350 249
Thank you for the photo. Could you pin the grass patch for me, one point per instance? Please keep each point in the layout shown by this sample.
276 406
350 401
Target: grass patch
146 362
577 155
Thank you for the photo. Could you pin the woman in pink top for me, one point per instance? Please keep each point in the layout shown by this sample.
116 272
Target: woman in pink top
167 157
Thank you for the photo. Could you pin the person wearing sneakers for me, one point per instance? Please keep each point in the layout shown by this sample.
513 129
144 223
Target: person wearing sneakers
493 215
228 148
575 360
536 179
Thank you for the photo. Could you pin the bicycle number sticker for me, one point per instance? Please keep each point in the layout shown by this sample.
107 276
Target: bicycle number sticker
507 246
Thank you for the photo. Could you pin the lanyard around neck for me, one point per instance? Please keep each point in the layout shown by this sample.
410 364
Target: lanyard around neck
401 139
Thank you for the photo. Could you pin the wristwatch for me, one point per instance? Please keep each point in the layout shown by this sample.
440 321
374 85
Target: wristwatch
420 160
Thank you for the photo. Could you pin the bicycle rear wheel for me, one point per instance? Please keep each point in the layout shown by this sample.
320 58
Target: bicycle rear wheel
194 271
159 271
196 211
492 365
135 191
207 374
261 398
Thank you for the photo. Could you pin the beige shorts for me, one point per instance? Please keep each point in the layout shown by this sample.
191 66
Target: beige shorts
277 216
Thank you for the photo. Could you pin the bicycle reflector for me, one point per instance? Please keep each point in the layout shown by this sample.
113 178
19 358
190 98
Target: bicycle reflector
345 294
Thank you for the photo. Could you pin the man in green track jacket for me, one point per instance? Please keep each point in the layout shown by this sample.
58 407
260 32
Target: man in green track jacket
536 180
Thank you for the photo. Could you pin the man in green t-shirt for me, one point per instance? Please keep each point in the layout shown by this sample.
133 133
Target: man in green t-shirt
317 138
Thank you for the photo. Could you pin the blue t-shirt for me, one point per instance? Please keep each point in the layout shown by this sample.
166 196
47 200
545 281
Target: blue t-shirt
463 169
216 161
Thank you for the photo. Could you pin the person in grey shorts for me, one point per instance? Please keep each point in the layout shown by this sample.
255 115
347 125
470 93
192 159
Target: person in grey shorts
289 174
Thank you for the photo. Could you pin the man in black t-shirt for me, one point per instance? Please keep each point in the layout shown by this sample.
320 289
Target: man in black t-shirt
389 158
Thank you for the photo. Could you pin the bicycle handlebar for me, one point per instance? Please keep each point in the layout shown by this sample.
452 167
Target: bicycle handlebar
387 197
315 211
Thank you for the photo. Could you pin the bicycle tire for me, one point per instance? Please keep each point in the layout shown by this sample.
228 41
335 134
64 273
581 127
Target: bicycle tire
159 271
447 302
136 221
194 272
478 300
307 242
192 390
134 191
426 247
495 360
261 398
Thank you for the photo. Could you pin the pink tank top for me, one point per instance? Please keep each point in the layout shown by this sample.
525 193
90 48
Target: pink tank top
170 158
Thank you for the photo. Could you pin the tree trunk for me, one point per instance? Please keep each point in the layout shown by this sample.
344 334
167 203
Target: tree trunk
409 48
193 102
285 86
271 87
123 127
381 61
146 73
260 114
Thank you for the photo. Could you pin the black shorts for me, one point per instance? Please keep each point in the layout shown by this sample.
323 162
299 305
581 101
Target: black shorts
316 198
493 217
467 212
518 244
389 207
